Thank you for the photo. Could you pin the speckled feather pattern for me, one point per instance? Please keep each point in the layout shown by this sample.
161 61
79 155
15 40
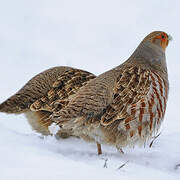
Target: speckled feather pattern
137 109
45 93
124 106
62 90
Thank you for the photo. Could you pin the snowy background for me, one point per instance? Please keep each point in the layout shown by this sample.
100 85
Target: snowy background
94 35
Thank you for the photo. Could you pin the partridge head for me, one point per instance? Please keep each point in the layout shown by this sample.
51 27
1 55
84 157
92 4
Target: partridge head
126 105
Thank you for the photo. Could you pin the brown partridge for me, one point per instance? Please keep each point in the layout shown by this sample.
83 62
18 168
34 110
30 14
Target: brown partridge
46 93
126 105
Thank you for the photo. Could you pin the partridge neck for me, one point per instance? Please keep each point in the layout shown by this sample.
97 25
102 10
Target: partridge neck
150 56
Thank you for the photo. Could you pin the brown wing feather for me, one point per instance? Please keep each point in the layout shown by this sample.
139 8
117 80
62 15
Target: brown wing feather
62 90
89 101
96 102
132 85
34 89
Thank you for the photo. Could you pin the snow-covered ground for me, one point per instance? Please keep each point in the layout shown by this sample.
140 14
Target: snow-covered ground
94 35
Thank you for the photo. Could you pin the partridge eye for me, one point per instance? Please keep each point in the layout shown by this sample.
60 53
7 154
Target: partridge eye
162 36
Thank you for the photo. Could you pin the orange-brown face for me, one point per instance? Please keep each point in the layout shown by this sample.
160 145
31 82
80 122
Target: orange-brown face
162 38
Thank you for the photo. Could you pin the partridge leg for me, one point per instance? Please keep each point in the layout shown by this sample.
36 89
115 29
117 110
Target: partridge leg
99 148
120 149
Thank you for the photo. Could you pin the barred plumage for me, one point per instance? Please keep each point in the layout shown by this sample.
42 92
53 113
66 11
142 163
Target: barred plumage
122 107
150 109
46 93
126 105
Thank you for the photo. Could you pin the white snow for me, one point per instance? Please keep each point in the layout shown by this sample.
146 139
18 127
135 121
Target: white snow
94 35
53 128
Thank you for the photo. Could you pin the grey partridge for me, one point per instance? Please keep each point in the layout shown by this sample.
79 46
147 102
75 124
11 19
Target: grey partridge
46 93
124 106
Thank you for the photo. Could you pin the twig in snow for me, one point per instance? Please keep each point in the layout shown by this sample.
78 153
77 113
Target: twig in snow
177 166
122 165
154 140
105 162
